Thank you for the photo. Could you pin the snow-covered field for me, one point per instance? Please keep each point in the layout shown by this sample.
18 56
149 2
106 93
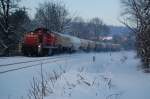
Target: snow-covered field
111 76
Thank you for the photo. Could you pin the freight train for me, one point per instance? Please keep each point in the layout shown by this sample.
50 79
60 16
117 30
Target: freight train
41 42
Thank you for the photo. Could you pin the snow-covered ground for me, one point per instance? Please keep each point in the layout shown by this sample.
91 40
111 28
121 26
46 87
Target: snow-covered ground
111 76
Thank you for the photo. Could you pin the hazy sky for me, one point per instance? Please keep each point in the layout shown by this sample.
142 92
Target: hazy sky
107 10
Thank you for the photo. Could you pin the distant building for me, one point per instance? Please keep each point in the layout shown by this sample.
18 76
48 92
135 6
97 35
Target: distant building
105 38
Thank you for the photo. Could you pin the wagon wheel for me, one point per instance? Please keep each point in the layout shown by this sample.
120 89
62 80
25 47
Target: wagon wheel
24 51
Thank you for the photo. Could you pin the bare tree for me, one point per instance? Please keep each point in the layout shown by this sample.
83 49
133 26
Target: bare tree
78 27
53 15
6 8
21 22
137 12
97 26
85 29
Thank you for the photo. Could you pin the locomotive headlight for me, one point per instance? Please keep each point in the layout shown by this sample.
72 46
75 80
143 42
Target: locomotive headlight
39 46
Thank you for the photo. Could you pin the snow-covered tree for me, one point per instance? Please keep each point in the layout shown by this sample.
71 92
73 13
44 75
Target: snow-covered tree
137 12
12 22
21 22
52 15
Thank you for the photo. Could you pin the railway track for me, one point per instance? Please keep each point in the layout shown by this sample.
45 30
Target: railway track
32 63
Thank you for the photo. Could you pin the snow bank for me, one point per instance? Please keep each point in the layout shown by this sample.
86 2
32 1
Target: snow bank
111 76
82 85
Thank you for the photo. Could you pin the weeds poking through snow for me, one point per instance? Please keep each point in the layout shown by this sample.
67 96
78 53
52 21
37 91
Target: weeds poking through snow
94 58
87 83
123 59
114 96
81 69
65 83
44 86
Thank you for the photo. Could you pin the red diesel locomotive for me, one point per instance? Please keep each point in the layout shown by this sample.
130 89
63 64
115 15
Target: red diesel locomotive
39 42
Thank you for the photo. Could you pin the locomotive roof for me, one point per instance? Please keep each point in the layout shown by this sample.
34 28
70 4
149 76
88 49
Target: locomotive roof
43 29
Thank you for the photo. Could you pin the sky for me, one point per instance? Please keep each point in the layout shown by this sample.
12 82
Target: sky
107 10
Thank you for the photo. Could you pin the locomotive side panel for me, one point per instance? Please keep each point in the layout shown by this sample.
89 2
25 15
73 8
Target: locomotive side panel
30 39
49 40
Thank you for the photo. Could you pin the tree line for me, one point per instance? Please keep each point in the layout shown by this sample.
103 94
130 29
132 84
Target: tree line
93 28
